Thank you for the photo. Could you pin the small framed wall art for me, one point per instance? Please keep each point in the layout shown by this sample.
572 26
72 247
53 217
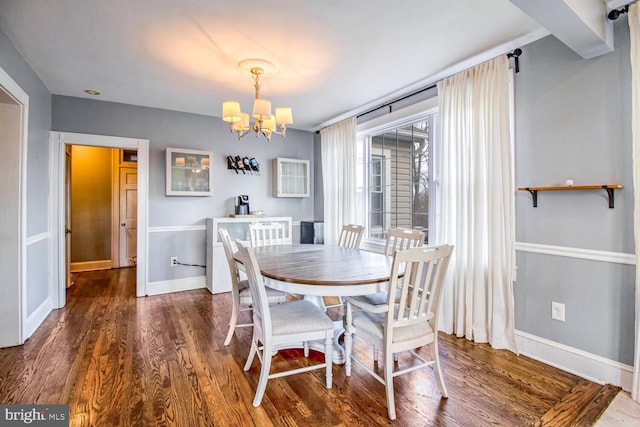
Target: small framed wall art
189 172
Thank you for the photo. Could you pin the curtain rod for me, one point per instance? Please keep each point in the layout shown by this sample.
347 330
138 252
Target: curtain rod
515 55
402 98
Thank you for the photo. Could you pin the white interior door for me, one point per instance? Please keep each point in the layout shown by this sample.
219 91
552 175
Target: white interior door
128 215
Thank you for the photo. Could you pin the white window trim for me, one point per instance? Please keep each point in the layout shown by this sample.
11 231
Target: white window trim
405 116
386 165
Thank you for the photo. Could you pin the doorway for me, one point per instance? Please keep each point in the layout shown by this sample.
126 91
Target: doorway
59 142
13 122
101 208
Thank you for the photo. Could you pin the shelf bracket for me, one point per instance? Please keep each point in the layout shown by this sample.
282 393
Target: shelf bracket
534 195
610 194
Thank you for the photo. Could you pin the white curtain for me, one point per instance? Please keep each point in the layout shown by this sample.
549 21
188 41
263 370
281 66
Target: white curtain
634 27
338 146
475 203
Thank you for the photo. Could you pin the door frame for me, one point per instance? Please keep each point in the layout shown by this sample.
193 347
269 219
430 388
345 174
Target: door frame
56 179
9 86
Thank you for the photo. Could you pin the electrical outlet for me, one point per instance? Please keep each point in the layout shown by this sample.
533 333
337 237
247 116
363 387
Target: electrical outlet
557 311
174 261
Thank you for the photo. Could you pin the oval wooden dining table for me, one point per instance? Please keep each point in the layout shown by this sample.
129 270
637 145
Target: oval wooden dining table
315 271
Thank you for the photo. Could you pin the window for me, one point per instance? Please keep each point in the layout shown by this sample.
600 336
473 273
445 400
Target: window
397 167
376 196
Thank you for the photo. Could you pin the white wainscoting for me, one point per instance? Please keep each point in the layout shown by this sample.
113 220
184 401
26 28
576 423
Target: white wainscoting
570 359
42 311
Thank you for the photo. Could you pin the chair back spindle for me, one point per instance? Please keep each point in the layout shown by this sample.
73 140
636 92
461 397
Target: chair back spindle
350 236
266 234
399 239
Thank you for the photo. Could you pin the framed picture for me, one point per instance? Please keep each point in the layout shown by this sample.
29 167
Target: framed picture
189 172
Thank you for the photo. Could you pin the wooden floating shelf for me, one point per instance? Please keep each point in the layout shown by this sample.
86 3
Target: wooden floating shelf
608 187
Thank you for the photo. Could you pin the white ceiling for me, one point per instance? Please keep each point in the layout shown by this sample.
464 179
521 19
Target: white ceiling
334 58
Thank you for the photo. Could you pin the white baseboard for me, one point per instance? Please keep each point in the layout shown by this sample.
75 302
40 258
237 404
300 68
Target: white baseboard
36 318
90 265
586 365
176 285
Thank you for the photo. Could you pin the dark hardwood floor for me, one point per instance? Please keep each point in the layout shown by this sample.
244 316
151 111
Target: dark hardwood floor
118 360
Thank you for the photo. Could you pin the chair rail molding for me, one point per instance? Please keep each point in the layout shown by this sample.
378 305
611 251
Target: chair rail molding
173 228
590 254
38 238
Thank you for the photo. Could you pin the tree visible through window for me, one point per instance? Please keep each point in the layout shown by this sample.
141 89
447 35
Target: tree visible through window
399 168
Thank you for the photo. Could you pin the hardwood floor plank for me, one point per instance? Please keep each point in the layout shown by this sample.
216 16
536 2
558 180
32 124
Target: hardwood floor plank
574 408
118 360
595 408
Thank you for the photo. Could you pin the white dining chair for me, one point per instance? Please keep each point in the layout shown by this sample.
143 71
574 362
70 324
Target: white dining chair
266 234
350 236
397 239
404 324
240 294
282 326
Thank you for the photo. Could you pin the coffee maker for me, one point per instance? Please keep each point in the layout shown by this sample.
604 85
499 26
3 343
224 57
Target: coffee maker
242 205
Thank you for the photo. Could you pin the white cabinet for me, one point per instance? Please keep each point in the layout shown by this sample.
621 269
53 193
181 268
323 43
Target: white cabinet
290 177
218 278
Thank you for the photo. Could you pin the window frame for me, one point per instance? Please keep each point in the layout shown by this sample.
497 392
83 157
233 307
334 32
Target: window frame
395 120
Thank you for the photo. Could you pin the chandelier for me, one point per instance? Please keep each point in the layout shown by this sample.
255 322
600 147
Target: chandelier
264 123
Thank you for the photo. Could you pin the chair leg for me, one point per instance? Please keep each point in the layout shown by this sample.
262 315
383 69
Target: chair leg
264 374
388 384
328 358
348 339
252 352
305 348
437 368
233 321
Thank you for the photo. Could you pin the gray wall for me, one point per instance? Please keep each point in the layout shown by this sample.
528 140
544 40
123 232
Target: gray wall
37 169
164 129
573 121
